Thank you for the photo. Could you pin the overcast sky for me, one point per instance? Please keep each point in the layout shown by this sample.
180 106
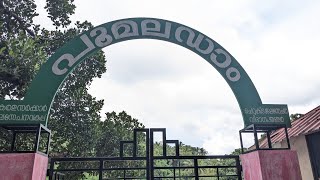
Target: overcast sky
167 86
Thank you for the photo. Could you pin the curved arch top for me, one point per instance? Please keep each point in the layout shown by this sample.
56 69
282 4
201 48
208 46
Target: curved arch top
64 60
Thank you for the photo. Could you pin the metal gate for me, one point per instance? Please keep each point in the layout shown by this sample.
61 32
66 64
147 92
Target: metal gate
164 165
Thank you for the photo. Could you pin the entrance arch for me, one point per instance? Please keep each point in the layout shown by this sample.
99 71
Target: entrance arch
38 100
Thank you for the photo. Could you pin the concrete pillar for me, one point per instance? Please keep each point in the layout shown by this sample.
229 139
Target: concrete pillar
23 166
271 165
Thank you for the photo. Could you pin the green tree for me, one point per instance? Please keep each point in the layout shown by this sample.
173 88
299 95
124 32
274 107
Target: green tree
295 116
24 47
21 45
115 128
237 151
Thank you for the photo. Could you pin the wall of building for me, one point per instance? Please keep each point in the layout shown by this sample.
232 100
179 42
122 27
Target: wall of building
299 144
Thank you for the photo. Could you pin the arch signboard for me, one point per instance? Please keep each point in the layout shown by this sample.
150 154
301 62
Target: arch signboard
34 108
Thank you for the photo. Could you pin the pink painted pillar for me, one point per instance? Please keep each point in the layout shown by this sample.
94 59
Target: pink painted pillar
271 165
23 166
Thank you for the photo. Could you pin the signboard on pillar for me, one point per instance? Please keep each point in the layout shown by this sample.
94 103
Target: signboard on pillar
34 108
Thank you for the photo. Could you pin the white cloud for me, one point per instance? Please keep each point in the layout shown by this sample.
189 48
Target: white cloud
164 85
193 102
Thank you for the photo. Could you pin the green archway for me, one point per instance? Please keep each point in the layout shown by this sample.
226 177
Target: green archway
35 106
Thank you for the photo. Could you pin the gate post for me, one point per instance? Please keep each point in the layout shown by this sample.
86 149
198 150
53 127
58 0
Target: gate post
25 164
271 165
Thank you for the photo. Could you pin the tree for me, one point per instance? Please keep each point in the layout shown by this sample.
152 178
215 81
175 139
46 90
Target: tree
24 47
21 47
115 128
21 57
295 116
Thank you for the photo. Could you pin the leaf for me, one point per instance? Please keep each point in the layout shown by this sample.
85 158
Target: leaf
11 53
2 49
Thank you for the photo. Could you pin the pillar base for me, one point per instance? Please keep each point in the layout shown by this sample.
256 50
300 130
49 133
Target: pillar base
271 165
23 166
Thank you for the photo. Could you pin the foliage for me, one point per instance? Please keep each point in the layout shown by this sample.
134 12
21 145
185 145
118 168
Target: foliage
238 151
112 130
60 11
21 57
295 116
17 16
115 128
75 114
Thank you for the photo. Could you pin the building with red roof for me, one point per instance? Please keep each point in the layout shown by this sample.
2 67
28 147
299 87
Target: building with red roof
304 136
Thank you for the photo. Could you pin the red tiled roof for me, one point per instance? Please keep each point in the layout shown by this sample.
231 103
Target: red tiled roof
308 123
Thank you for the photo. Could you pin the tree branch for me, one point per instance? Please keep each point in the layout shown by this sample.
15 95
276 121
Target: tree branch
21 22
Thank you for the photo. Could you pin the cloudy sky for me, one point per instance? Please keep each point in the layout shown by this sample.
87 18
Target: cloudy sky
164 85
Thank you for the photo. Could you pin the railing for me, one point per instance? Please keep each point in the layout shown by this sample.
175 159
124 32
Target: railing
39 142
195 167
267 129
199 167
58 176
103 167
151 166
